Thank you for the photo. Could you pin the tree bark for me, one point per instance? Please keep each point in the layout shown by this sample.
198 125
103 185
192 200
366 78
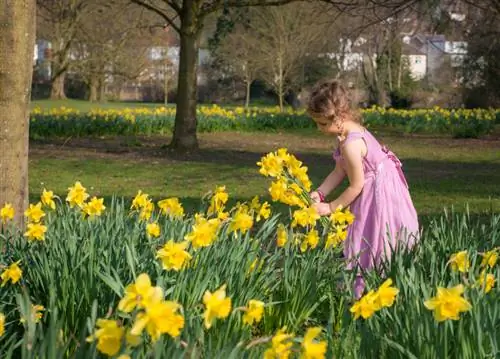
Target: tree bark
184 138
247 97
57 90
17 41
93 87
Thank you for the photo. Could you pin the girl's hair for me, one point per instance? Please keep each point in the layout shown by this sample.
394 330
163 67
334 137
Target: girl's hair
330 99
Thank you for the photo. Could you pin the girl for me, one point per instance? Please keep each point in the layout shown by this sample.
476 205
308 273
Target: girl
377 193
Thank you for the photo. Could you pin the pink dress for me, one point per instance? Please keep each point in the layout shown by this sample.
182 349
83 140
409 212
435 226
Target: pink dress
384 213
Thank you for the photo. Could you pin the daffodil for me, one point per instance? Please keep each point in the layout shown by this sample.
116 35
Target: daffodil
7 212
34 213
217 306
489 258
241 221
386 294
159 318
312 348
253 312
171 207
140 294
305 217
94 207
366 306
12 273
2 324
218 200
448 303
109 336
174 255
36 231
77 195
48 199
282 236
204 232
153 229
139 200
486 281
460 261
281 346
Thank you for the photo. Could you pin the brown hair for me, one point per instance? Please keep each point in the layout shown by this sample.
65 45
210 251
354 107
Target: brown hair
330 99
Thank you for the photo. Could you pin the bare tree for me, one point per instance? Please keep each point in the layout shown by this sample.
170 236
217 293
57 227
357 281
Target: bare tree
238 52
286 40
17 40
58 21
109 45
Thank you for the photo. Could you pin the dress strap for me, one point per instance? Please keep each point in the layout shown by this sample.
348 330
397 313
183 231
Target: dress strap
352 136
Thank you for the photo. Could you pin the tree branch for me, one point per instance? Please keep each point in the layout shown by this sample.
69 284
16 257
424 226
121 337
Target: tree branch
220 4
160 12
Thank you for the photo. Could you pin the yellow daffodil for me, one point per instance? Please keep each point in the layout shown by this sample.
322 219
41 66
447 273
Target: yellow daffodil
7 212
448 303
486 281
48 199
171 207
140 294
489 258
12 273
281 346
386 294
242 222
264 211
94 207
2 324
366 306
204 232
312 348
218 200
109 336
282 236
253 312
34 213
36 231
153 229
174 255
310 240
159 318
460 261
305 217
217 306
36 313
139 200
77 195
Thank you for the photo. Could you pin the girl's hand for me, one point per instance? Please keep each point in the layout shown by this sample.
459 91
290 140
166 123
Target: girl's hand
323 209
315 196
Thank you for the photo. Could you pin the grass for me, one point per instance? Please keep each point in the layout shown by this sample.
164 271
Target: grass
86 106
441 172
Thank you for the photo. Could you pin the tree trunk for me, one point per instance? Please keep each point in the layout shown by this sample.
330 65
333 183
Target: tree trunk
57 90
247 97
17 41
165 86
184 138
93 87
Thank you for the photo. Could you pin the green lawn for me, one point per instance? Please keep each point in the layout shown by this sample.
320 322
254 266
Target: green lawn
441 172
86 106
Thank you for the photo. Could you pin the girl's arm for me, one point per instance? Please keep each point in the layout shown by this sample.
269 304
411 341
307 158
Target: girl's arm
332 180
353 157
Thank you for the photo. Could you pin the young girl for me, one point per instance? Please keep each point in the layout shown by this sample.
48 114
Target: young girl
377 193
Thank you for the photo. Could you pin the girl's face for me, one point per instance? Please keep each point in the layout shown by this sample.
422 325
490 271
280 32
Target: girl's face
327 126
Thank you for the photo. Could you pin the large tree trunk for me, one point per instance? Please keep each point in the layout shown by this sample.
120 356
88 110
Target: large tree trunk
184 138
17 41
93 88
57 90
